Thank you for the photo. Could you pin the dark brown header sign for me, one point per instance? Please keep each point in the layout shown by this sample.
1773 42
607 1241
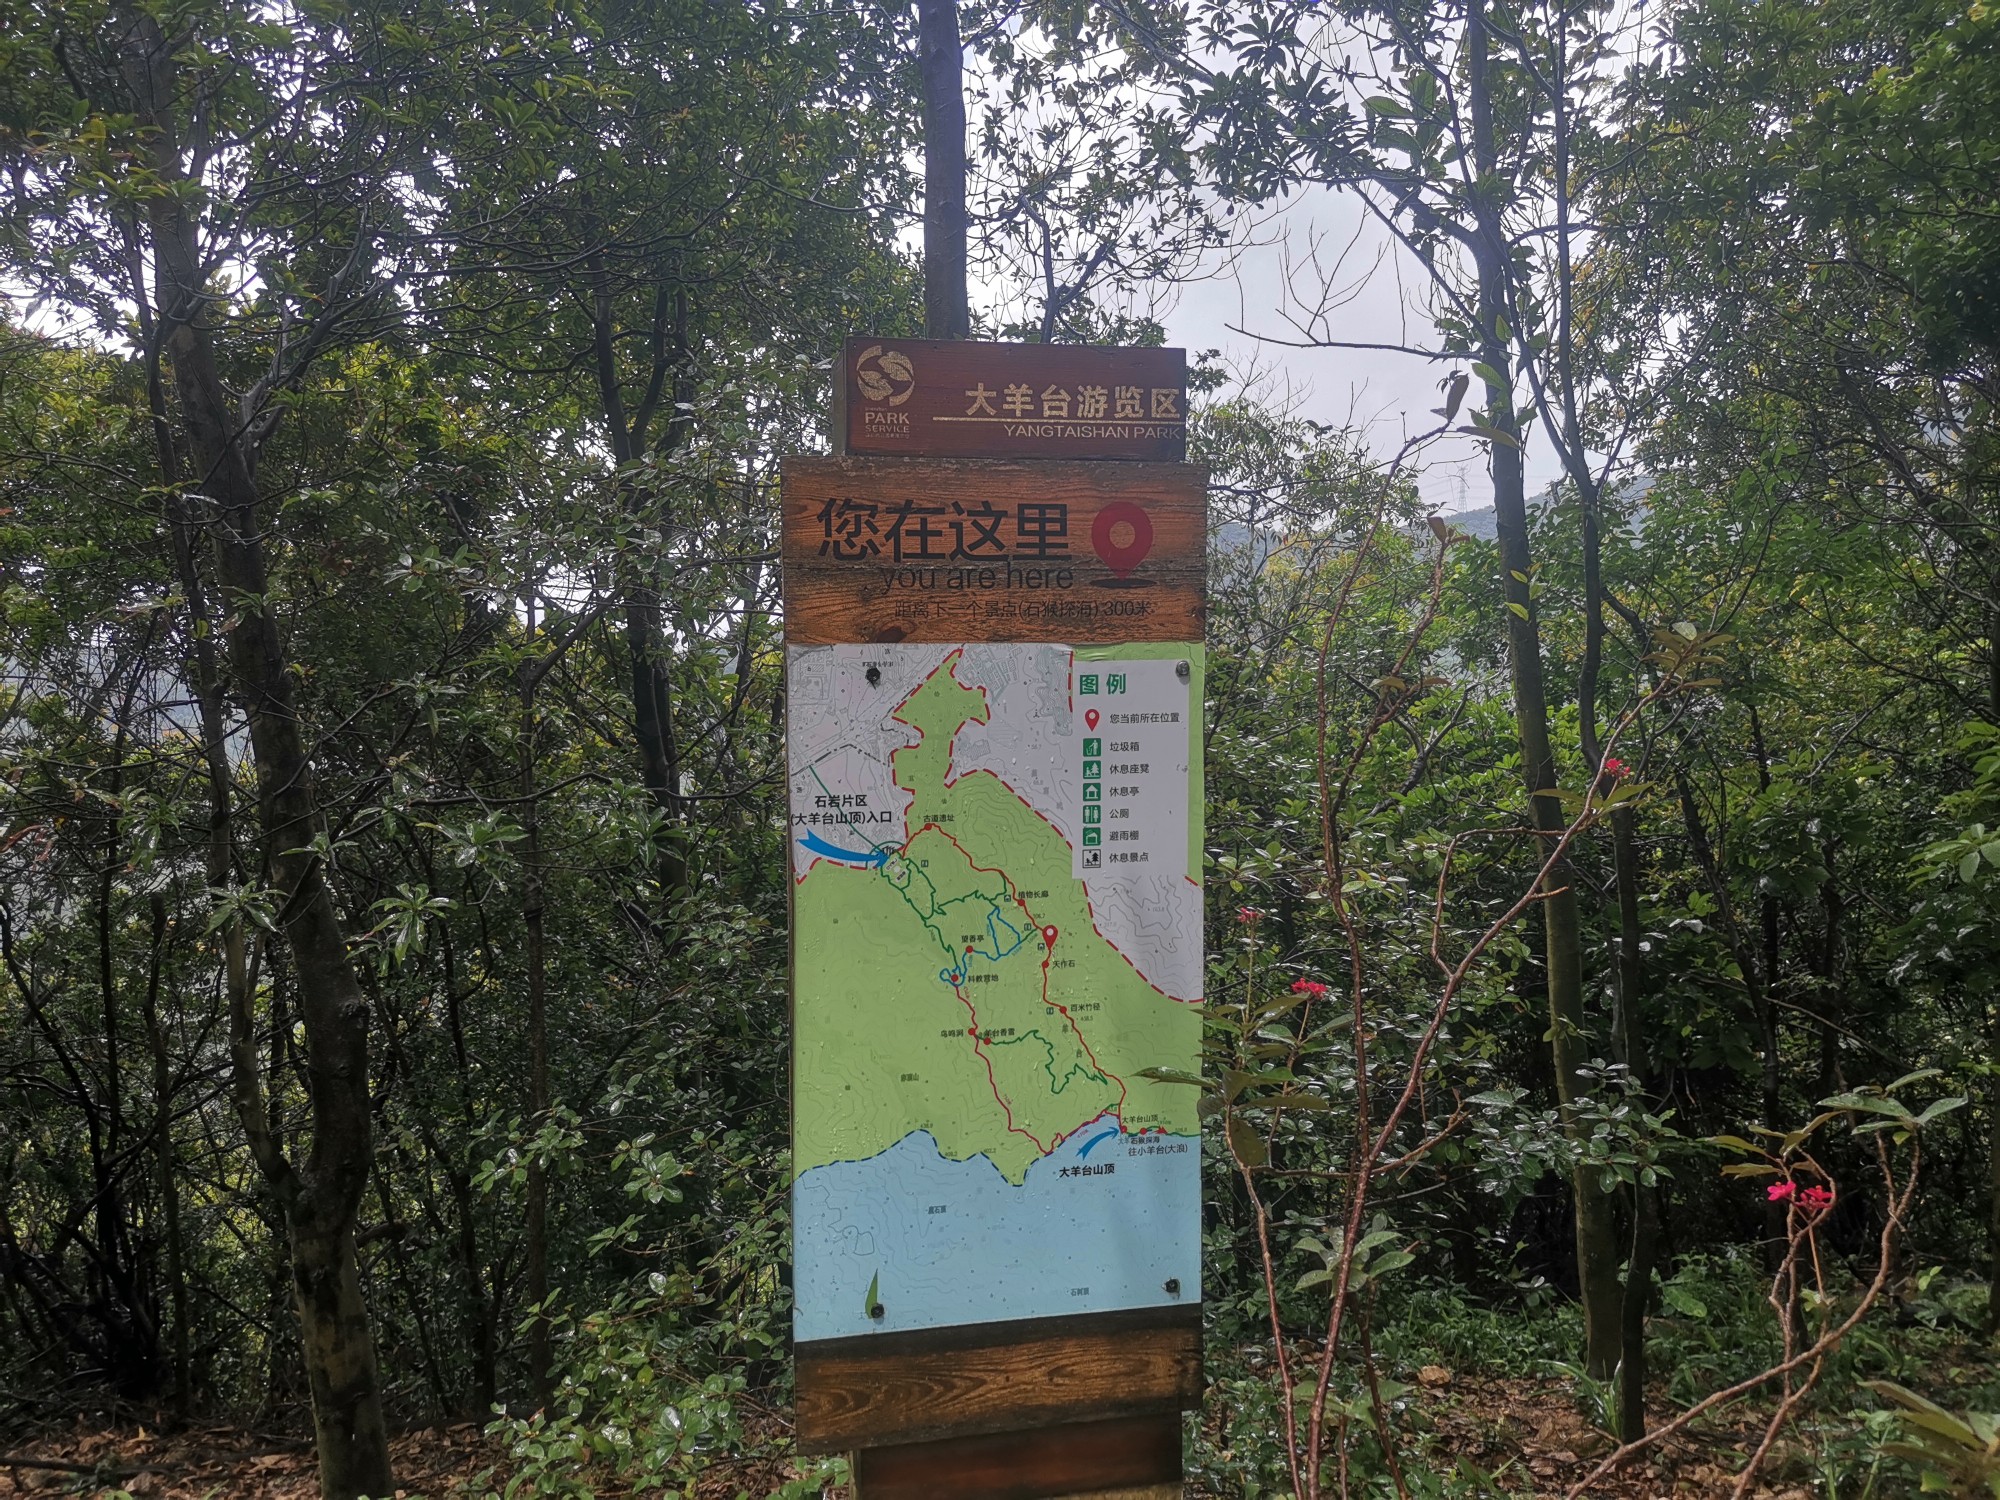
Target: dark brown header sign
880 549
937 399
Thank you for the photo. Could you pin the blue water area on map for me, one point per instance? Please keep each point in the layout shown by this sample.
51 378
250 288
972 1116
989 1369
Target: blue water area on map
1102 1222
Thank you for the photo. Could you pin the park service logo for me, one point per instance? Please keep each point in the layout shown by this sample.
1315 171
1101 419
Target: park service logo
885 375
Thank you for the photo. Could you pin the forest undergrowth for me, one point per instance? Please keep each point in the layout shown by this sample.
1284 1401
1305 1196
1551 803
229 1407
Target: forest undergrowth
1485 1398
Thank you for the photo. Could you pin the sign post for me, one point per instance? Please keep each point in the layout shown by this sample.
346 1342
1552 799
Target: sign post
994 687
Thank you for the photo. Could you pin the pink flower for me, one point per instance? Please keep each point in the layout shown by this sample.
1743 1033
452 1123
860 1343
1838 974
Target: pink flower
1311 988
1248 915
1780 1192
1613 766
1816 1198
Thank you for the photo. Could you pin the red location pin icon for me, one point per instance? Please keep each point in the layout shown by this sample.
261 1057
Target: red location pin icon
1122 535
1090 717
1049 936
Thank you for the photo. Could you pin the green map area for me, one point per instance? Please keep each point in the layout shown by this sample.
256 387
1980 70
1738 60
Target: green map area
960 988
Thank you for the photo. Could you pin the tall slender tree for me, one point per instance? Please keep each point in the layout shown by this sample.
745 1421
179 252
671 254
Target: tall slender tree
1446 144
941 62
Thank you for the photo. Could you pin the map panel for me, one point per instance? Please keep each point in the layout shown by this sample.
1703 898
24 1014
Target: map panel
974 1002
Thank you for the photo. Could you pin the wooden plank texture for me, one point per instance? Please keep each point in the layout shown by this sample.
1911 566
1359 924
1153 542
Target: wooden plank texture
883 550
1122 1456
900 1388
917 397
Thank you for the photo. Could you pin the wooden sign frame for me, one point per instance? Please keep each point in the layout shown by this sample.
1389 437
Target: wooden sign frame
1056 548
899 1389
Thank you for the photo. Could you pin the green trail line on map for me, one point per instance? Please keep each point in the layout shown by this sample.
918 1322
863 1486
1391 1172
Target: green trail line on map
919 980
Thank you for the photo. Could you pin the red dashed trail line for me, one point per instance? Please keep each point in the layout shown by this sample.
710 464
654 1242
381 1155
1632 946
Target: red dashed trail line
979 1045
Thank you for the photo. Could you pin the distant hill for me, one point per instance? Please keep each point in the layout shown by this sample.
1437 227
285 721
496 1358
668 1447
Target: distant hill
1480 523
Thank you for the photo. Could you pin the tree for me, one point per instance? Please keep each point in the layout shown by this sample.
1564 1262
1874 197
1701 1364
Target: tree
166 174
947 314
1082 235
1796 204
1457 143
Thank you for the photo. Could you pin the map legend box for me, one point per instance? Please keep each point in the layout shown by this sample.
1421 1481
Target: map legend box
1136 767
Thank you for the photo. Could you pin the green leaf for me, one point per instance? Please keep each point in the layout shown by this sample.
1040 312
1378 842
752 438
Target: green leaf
1490 434
1941 1107
1382 1265
1927 1414
1873 1104
1683 1301
1917 1077
1374 1238
1245 1144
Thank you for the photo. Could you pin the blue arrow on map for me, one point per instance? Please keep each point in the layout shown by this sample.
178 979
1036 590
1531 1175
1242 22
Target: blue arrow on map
1095 1141
873 857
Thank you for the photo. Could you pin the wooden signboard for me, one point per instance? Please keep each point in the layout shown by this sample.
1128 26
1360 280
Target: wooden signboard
994 684
910 397
936 550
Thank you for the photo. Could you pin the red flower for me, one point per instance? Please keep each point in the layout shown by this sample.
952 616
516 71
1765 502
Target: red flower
1311 988
1816 1198
1248 915
1779 1192
1613 766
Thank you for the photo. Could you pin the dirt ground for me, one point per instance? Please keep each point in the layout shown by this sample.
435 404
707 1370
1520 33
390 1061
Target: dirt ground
1526 1433
228 1463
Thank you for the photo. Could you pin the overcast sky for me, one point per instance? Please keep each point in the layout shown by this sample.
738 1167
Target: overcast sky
1385 394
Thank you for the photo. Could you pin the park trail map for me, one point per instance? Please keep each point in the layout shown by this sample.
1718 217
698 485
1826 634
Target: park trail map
997 922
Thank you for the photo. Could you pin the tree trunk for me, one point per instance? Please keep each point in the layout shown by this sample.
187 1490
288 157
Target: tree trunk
541 1359
1993 1035
652 720
637 577
1597 1254
339 1348
1632 1327
128 1325
941 59
1993 1178
478 1306
1631 1047
482 1332
1762 981
163 1159
320 1199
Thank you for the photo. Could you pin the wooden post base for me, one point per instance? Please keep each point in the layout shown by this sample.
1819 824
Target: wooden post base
1122 1458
